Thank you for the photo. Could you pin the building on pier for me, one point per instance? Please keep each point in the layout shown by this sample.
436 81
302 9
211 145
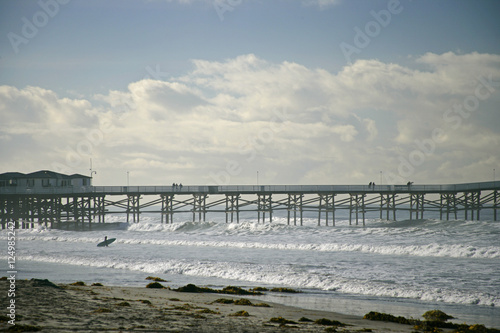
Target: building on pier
43 179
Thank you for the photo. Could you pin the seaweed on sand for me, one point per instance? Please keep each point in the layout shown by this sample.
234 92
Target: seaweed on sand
241 313
435 319
223 301
78 283
328 322
238 291
157 279
155 285
436 315
231 290
243 301
285 290
281 321
46 283
379 316
191 288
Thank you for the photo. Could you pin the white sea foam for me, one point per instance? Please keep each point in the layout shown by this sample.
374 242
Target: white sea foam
427 250
283 275
427 260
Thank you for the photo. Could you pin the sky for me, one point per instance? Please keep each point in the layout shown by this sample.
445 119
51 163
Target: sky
228 92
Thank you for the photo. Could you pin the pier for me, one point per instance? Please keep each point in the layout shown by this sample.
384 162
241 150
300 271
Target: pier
83 207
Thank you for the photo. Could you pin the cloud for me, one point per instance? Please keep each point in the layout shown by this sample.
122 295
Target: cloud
224 120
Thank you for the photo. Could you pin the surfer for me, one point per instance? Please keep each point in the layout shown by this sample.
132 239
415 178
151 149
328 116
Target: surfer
106 241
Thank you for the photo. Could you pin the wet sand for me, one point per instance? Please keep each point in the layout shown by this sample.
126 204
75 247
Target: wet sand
68 308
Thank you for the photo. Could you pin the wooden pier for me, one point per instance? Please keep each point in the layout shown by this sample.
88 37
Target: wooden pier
86 206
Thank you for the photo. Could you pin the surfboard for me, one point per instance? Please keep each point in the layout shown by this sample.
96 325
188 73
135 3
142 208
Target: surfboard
106 242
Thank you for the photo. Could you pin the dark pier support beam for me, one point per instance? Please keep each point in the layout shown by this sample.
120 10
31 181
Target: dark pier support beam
363 207
167 208
232 206
76 212
199 205
44 211
478 205
289 209
326 202
417 205
82 211
450 205
466 205
24 212
67 209
58 210
495 204
472 203
294 205
133 207
97 209
11 211
264 205
352 200
87 205
389 202
319 209
357 202
16 211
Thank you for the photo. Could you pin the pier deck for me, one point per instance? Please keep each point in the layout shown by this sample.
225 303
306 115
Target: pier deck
83 206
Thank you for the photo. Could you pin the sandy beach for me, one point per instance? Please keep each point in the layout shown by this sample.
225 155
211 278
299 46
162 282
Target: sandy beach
70 308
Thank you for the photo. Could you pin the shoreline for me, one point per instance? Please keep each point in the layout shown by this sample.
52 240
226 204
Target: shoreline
70 308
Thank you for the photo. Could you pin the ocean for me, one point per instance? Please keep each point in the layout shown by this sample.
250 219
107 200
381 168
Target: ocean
400 267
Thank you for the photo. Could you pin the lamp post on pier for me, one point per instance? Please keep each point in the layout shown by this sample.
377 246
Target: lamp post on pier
92 172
